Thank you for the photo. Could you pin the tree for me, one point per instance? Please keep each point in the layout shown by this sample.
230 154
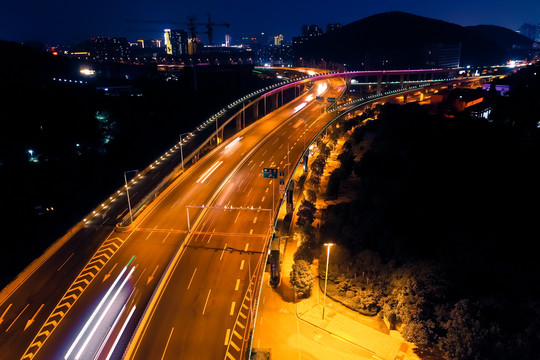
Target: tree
306 213
301 278
464 333
311 195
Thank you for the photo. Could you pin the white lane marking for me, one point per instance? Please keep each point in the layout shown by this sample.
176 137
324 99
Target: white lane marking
237 285
17 318
250 231
246 248
242 265
264 197
61 266
206 302
249 191
192 276
280 146
223 251
255 220
232 308
167 345
169 233
151 232
236 218
266 189
227 337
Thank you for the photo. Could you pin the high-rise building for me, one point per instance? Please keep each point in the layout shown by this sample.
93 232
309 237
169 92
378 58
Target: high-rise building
105 48
444 55
278 40
332 27
176 42
227 40
311 30
153 43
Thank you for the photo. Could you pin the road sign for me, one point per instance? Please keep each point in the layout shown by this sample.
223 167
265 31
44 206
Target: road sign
270 173
319 98
282 187
331 99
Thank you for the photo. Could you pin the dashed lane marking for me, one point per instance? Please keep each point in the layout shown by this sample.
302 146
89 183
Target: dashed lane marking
88 273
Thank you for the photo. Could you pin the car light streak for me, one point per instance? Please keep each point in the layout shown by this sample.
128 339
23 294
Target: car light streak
233 143
209 172
110 332
89 337
298 123
299 107
309 97
120 334
321 88
78 338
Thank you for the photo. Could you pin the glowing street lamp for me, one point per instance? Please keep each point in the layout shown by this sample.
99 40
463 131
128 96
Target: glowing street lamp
326 277
181 151
127 193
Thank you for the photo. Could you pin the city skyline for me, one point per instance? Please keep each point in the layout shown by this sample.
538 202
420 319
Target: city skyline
60 23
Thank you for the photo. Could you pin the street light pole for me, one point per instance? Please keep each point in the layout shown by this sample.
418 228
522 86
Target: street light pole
127 194
181 150
326 277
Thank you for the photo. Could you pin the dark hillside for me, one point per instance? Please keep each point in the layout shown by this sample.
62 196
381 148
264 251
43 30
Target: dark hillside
399 40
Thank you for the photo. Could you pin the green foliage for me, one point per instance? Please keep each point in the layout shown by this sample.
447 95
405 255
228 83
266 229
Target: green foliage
304 252
332 188
301 278
305 213
311 195
317 166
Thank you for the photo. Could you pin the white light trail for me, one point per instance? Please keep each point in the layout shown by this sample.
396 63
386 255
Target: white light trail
299 107
103 314
78 338
104 342
209 172
233 143
321 88
120 333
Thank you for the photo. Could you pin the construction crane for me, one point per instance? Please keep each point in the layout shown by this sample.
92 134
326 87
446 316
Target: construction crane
191 26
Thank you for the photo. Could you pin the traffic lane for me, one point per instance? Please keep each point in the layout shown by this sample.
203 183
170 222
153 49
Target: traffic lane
25 304
158 249
204 286
170 334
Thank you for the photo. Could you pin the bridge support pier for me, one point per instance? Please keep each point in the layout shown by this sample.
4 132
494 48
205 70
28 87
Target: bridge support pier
256 110
238 121
379 84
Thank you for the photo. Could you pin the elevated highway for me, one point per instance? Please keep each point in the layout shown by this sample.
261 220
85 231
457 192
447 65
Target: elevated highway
195 253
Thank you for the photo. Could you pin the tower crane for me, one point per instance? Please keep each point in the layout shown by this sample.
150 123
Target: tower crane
191 26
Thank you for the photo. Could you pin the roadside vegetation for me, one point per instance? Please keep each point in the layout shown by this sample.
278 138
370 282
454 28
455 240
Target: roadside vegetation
438 237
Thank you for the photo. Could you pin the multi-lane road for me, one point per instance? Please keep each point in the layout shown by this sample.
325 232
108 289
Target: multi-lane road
64 303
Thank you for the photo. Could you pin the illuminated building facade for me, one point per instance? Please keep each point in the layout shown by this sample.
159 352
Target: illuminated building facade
115 48
176 42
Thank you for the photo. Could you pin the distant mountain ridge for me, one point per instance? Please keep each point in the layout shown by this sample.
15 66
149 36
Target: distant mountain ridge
402 40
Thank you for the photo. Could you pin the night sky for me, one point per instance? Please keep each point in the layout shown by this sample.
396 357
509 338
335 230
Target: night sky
58 21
